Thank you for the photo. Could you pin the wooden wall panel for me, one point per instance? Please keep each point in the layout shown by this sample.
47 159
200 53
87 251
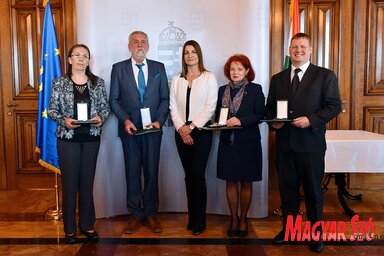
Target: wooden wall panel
374 119
375 65
366 181
25 53
367 83
26 143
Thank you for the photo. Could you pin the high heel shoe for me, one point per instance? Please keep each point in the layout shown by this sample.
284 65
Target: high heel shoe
90 235
233 232
244 232
70 238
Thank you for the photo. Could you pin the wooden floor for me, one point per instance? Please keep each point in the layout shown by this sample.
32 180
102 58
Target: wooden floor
24 231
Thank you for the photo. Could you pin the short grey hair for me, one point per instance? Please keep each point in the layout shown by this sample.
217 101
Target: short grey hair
137 32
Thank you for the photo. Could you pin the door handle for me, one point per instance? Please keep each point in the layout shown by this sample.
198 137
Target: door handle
344 102
11 105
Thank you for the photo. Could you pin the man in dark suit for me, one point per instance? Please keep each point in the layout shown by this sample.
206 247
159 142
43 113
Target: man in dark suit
313 98
137 88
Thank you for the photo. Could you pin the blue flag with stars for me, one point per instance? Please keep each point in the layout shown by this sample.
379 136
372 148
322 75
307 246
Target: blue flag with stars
50 68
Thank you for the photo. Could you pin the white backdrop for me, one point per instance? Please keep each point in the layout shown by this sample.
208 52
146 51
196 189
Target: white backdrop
222 28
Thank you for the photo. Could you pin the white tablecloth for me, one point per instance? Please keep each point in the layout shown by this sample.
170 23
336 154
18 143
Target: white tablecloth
356 151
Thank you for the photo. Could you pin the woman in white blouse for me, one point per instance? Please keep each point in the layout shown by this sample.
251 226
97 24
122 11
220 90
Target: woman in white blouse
193 99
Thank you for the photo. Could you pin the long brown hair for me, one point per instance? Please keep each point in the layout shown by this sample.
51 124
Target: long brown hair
197 48
88 72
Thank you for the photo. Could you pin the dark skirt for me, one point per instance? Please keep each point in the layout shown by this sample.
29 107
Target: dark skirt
239 162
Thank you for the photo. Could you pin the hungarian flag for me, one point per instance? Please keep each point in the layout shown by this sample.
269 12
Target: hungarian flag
294 27
50 68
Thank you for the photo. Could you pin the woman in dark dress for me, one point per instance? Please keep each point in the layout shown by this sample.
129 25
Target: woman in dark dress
239 160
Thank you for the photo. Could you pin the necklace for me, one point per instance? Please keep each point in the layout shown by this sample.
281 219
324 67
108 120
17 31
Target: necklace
81 88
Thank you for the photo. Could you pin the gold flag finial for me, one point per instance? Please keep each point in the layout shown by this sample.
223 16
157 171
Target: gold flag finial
45 2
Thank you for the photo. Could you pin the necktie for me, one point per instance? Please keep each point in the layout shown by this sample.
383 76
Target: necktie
141 81
295 81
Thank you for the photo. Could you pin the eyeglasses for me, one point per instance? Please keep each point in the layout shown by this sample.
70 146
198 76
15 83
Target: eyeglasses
79 56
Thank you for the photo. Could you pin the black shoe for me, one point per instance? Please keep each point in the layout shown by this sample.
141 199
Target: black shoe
90 235
317 246
197 232
233 232
244 232
70 238
279 238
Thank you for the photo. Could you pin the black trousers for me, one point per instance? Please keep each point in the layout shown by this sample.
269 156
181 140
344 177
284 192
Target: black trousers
78 165
305 169
194 159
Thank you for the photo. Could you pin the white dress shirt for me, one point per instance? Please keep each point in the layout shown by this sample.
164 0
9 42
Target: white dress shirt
136 71
303 68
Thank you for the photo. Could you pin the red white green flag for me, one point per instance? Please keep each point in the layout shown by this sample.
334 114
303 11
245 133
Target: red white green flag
294 27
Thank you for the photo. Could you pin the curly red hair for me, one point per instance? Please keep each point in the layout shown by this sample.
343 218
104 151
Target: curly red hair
244 60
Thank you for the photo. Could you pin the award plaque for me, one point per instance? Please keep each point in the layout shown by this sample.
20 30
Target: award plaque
82 111
145 118
281 112
223 116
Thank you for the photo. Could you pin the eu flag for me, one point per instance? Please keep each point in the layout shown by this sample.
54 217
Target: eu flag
50 68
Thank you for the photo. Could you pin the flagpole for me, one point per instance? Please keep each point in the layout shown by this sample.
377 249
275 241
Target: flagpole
55 213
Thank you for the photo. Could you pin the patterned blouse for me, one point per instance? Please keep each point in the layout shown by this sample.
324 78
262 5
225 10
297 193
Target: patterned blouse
61 105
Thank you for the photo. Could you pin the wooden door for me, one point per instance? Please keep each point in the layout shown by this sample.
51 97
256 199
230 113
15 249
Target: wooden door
367 83
347 37
21 28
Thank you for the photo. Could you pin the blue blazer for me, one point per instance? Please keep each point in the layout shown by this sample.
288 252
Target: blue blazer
124 98
250 112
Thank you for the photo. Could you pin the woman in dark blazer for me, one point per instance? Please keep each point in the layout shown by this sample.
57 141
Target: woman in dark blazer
239 160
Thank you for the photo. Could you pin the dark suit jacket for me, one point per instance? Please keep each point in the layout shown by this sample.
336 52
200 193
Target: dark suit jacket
124 96
317 98
250 112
